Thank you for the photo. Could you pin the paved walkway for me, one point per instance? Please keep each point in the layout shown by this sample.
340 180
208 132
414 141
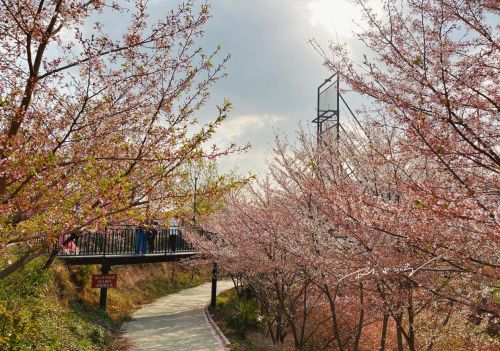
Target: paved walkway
176 322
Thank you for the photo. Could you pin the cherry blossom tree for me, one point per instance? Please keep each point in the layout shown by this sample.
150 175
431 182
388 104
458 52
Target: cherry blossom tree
395 223
333 223
248 238
433 71
96 126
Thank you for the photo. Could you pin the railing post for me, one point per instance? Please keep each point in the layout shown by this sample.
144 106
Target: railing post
213 297
166 238
104 242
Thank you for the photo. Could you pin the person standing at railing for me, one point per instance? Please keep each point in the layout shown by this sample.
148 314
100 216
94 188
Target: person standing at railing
173 232
70 247
140 240
151 233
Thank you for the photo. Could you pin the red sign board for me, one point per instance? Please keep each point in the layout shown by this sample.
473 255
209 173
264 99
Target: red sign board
104 280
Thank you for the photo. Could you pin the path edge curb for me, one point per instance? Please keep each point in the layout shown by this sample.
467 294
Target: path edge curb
214 325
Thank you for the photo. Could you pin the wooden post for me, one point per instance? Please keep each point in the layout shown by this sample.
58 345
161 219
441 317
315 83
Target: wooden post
104 291
213 298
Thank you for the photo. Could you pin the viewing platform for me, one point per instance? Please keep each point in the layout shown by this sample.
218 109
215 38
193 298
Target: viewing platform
126 245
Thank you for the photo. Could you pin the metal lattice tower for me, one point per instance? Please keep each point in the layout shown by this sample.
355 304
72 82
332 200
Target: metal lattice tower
327 111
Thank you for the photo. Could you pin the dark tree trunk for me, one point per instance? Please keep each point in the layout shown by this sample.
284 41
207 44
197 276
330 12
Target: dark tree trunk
384 332
359 328
399 333
336 331
411 322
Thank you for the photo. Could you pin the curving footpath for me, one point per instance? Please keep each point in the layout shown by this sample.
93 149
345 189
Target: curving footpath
176 322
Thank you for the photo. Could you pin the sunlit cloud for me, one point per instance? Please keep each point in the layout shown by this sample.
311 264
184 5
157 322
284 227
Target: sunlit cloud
337 17
237 127
340 18
258 130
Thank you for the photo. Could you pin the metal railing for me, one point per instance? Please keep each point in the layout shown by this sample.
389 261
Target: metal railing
126 240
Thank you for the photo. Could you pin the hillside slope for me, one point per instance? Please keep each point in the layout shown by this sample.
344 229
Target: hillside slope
56 309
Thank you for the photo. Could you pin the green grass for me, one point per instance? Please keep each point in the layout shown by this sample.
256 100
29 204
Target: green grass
32 317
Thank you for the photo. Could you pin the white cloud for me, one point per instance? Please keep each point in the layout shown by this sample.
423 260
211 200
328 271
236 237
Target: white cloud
336 17
236 127
339 17
253 161
256 129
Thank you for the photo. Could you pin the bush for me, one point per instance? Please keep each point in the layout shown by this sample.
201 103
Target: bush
245 318
32 317
222 300
81 275
21 302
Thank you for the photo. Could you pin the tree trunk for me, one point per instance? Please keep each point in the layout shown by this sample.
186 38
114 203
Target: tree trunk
384 332
359 328
21 262
336 331
399 333
270 331
57 249
411 322
237 286
304 314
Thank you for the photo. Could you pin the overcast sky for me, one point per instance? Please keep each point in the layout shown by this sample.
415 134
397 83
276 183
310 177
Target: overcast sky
273 72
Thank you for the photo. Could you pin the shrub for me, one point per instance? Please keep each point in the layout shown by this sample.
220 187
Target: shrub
245 318
32 316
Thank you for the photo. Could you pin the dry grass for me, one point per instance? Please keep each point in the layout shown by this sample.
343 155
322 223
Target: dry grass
137 285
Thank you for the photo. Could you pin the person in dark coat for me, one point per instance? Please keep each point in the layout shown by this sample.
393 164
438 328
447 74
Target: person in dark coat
173 233
151 233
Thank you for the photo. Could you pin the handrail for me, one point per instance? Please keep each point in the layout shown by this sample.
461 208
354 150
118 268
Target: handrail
127 240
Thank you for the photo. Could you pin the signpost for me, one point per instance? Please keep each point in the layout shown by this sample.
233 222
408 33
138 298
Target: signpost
104 281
